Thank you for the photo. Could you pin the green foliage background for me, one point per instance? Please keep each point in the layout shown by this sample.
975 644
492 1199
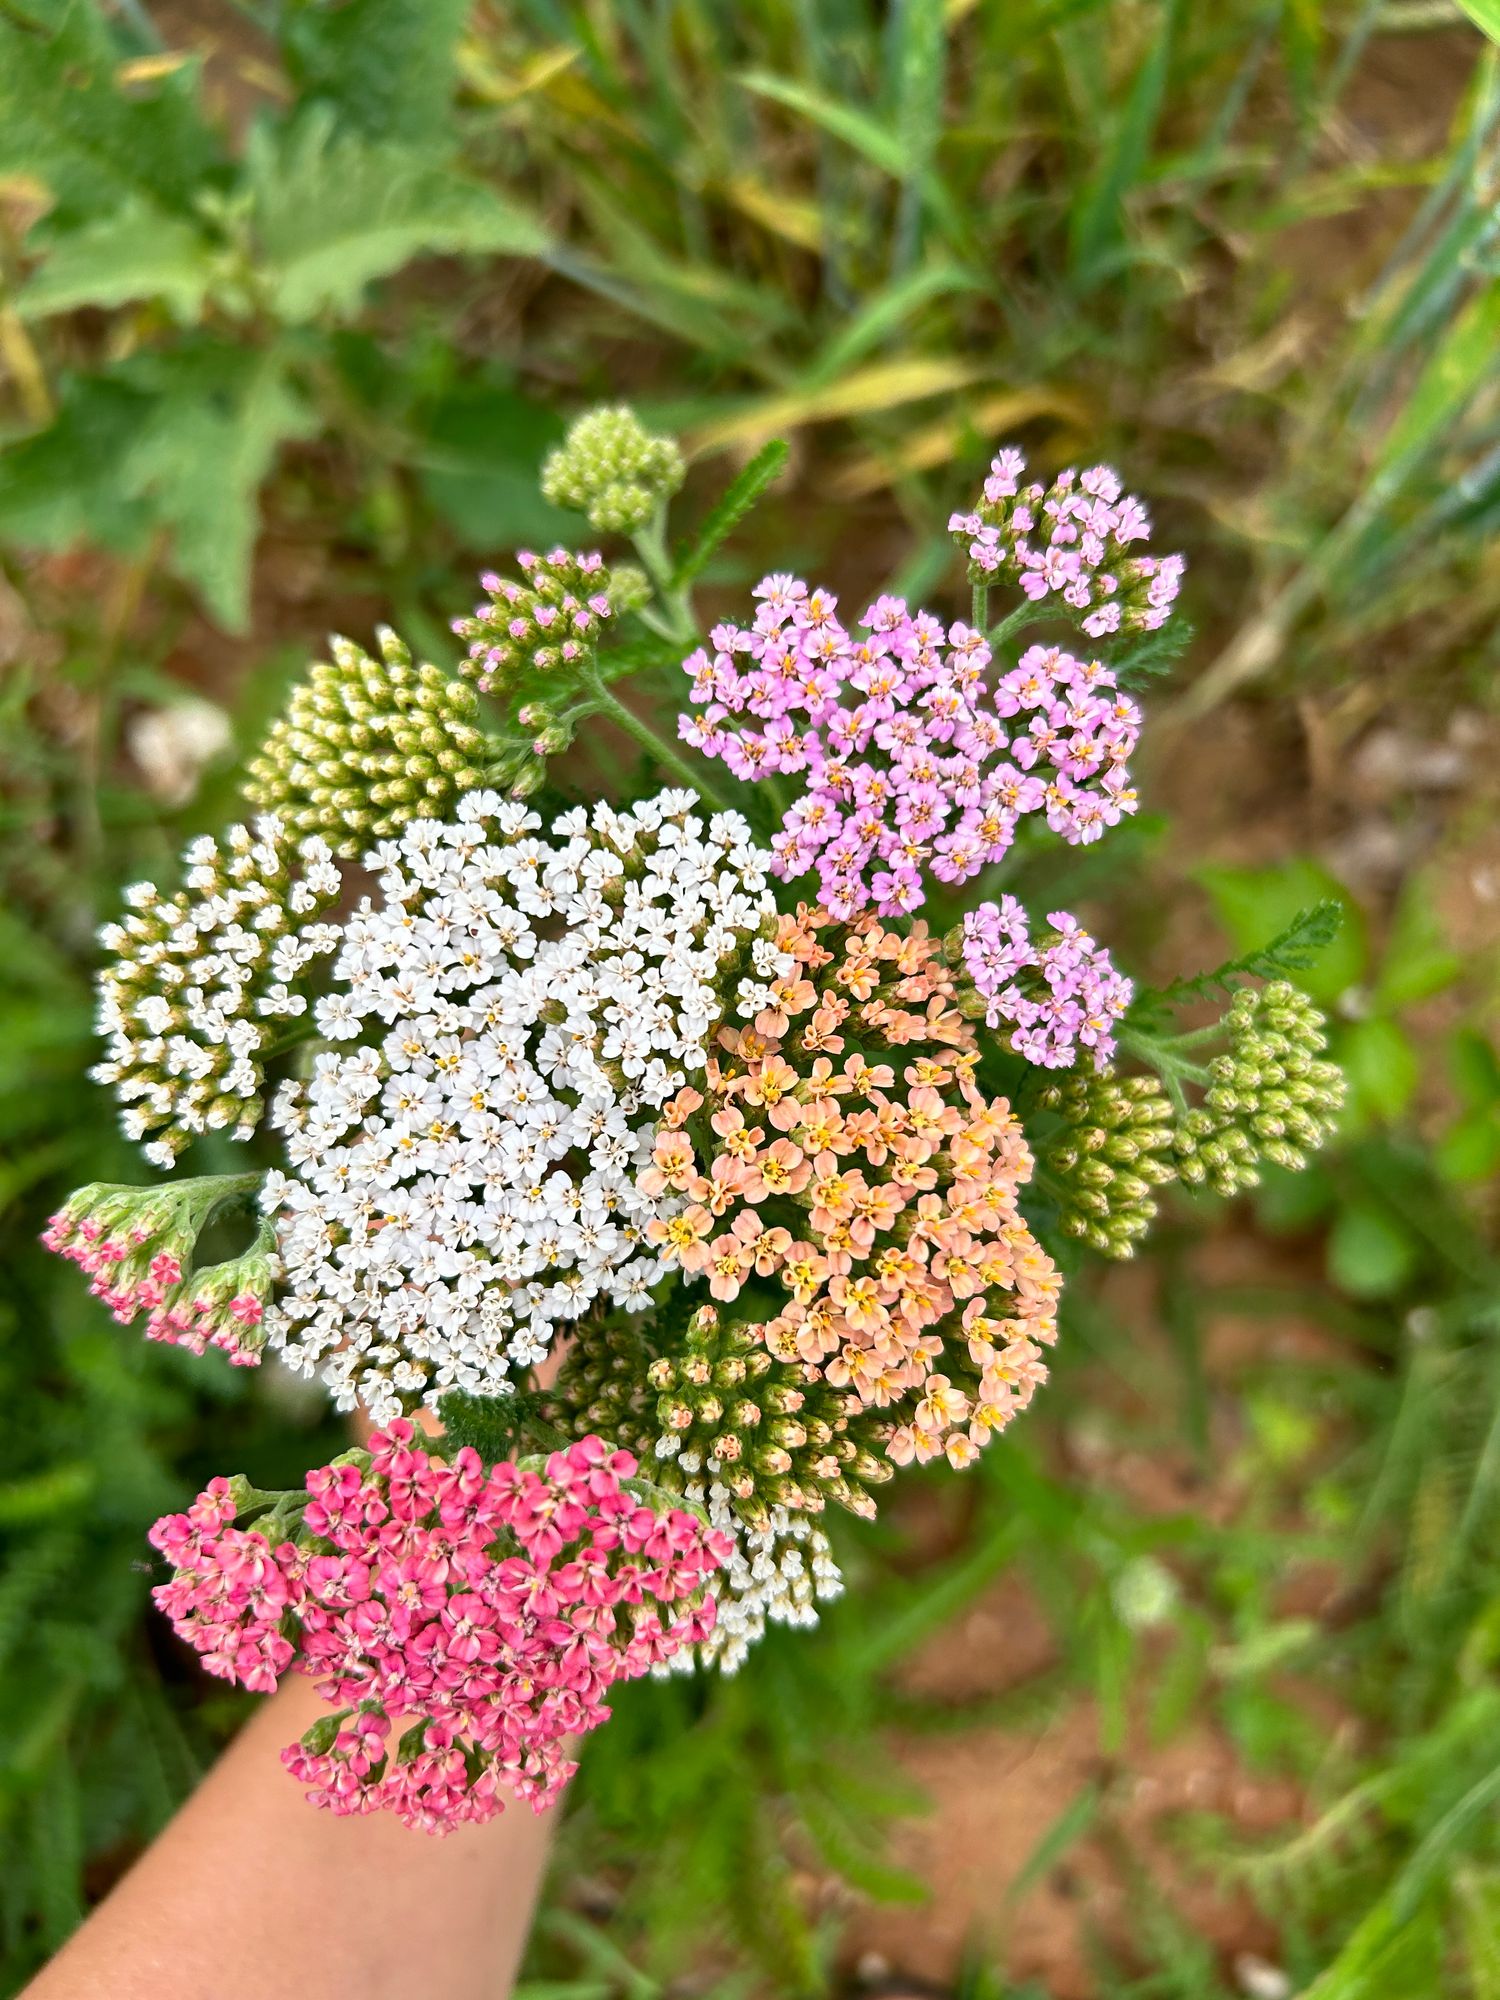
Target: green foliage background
293 298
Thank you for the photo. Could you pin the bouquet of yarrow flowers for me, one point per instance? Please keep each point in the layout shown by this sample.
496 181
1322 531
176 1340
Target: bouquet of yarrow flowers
654 1173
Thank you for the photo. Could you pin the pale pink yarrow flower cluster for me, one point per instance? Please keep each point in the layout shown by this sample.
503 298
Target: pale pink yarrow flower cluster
491 1611
551 621
1069 540
1058 996
133 1269
912 763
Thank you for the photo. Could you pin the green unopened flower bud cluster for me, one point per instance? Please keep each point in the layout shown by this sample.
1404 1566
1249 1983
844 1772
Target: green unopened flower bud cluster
368 744
1113 1150
1271 1095
772 1435
198 981
611 468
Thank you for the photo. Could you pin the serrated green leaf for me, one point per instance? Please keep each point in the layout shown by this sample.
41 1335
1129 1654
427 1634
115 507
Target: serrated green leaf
199 462
58 486
65 121
332 213
137 253
386 67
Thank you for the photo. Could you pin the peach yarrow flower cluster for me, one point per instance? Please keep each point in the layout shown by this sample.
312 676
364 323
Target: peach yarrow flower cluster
871 1204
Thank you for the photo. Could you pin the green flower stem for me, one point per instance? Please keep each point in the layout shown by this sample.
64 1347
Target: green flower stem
1016 621
604 703
650 544
232 1187
979 616
1162 1055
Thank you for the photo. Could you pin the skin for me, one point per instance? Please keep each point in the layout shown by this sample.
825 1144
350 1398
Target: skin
252 1894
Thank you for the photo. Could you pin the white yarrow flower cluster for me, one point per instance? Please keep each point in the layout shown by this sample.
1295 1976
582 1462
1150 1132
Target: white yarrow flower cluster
463 1181
777 1574
201 979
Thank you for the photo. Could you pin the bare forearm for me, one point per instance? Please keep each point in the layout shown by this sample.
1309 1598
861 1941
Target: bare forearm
251 1894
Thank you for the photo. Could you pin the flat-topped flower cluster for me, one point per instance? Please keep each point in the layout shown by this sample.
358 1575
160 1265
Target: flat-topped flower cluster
614 1152
497 1605
1068 543
898 1190
914 762
465 1181
1058 996
199 980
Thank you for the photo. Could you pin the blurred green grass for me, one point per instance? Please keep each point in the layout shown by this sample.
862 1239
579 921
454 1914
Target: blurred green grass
293 298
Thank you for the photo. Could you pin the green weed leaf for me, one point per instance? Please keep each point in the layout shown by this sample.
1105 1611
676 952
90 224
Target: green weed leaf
333 213
386 68
199 461
65 120
137 253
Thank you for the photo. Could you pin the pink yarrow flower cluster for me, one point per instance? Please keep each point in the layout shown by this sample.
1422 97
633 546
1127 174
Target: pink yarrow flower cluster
1057 996
550 621
490 1611
1069 541
136 1269
912 764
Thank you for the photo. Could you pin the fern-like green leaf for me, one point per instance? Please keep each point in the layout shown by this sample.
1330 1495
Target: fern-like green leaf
486 1424
1153 655
739 497
1293 949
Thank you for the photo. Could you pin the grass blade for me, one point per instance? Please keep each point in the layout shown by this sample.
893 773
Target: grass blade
884 385
1485 14
866 135
1097 230
919 42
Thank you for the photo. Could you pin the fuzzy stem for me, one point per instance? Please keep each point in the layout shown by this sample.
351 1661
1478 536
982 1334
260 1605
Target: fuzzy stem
650 545
1163 1058
1015 621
